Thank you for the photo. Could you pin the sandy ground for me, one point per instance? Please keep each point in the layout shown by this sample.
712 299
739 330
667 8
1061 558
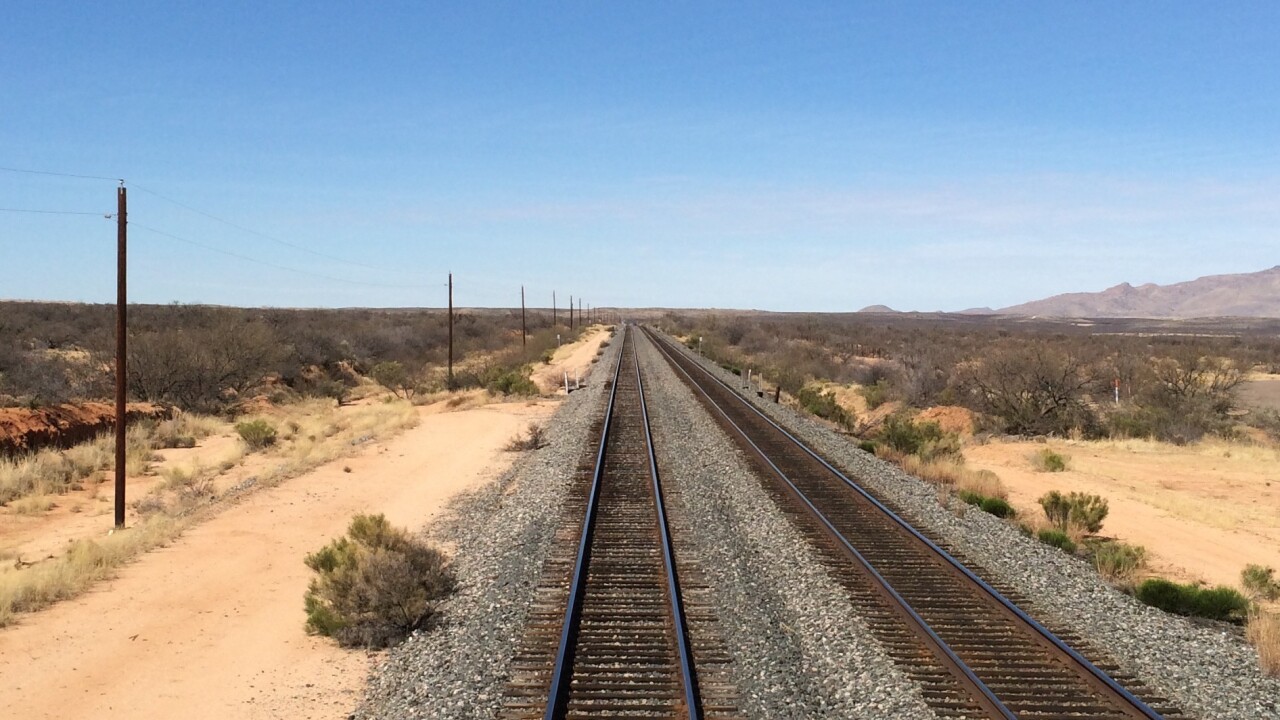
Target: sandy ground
1261 390
1203 511
574 359
212 626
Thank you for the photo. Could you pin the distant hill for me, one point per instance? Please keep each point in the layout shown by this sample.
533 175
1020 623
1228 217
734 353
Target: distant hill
877 309
1240 295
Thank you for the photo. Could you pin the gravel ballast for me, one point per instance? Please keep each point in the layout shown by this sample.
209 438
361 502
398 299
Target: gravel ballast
1208 672
501 533
799 649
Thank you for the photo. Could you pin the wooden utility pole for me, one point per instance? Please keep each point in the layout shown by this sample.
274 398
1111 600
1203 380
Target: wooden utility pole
524 330
553 308
570 312
579 310
122 302
450 331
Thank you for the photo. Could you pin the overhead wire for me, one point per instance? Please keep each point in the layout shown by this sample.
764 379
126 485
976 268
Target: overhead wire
277 266
256 233
60 174
215 218
55 212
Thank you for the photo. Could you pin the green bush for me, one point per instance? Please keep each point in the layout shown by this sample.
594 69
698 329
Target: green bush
1261 582
867 446
511 381
1219 603
923 439
992 505
257 434
1074 510
824 405
375 585
394 377
876 394
998 507
1058 539
1049 461
1118 561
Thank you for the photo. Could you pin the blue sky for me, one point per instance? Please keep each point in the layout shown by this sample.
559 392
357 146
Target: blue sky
797 156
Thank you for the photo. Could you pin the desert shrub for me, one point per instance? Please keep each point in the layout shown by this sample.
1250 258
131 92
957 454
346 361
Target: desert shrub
1081 511
206 366
1031 389
1056 538
1049 461
1117 561
998 507
257 434
1260 582
823 404
925 439
992 505
513 381
1219 603
393 376
877 393
867 446
534 438
375 585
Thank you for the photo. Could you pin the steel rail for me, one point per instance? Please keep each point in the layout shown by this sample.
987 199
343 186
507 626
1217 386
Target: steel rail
1045 634
558 695
983 694
687 673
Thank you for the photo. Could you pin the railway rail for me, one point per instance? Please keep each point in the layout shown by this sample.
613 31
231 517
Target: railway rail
609 636
974 652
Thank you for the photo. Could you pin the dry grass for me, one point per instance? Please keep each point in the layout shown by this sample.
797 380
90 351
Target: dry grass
318 433
1264 632
85 562
53 472
33 505
950 474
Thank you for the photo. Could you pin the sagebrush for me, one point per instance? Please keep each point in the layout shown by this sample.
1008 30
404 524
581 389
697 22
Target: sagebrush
375 585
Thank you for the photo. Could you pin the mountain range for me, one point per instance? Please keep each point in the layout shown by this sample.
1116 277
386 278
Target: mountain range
1239 295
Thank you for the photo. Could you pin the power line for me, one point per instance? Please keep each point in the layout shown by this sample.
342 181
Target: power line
269 264
54 212
262 235
60 174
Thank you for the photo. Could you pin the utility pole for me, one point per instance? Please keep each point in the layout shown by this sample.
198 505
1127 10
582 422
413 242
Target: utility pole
553 308
524 331
450 331
122 302
570 312
579 309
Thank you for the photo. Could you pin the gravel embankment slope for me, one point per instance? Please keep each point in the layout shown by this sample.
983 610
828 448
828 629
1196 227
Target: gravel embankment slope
1208 672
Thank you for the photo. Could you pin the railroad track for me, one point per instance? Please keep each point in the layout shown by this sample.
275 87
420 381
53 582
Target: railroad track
608 635
974 652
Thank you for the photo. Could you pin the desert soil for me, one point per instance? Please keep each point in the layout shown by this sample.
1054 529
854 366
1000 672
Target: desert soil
212 626
1202 511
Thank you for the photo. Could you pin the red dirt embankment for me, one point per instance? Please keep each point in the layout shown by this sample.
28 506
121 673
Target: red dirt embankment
24 430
